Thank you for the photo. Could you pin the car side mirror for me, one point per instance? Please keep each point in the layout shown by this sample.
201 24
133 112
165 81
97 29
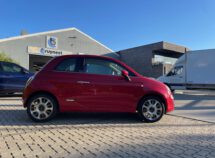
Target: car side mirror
126 75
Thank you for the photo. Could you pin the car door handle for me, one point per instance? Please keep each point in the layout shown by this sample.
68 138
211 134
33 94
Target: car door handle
83 82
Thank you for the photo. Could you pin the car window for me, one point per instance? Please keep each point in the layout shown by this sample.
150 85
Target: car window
102 67
10 67
67 65
179 70
176 71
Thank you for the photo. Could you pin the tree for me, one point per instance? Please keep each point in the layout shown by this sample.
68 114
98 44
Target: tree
5 57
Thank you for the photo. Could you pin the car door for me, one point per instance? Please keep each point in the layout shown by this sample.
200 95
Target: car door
66 77
105 89
14 77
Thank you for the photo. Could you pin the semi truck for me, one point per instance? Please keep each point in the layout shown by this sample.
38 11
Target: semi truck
193 70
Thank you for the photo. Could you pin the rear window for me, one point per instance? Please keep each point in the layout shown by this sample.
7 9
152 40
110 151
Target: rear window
67 65
11 68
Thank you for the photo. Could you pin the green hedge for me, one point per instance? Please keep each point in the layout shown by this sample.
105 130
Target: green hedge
5 57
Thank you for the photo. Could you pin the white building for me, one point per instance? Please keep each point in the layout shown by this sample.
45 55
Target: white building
36 49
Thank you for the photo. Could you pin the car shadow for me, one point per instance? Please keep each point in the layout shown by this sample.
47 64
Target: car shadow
14 114
19 118
100 117
11 96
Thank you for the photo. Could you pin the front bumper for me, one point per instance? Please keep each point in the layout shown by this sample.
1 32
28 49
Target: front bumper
170 103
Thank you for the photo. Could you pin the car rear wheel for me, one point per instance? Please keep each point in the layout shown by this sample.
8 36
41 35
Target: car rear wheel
41 108
151 109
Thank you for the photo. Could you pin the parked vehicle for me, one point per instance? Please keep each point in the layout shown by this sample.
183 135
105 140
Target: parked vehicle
87 83
12 78
193 70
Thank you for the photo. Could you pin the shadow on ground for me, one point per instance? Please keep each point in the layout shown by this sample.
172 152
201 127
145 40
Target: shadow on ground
19 117
194 97
2 96
195 102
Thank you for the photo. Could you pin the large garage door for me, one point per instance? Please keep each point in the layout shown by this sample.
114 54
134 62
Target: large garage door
36 62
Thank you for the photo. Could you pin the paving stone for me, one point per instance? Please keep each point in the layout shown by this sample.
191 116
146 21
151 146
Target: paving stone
101 136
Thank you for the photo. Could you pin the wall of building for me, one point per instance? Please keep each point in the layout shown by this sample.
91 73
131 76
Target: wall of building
70 40
158 70
139 58
142 58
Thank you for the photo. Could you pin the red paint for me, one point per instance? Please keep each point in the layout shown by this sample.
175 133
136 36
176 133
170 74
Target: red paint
98 93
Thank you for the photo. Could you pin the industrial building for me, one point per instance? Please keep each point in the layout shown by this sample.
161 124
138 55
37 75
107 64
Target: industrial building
37 49
34 50
152 60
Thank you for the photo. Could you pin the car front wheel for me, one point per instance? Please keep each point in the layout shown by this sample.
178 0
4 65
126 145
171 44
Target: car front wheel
41 108
151 109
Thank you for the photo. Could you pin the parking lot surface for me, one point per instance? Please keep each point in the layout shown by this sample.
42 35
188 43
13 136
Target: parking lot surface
196 104
101 135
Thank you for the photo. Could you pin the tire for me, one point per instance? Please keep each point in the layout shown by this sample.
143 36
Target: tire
151 109
42 107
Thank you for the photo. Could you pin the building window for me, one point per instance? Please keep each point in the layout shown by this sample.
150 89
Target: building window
162 59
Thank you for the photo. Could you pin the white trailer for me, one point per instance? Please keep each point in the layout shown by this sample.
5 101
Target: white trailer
193 70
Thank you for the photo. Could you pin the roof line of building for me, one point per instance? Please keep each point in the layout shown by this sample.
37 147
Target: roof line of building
49 32
159 45
93 39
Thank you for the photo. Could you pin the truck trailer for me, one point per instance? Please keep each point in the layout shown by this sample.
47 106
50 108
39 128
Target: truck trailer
193 70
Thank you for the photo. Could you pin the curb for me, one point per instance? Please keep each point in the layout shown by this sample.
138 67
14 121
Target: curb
191 118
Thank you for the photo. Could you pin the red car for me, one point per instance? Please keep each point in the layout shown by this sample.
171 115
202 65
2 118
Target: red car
89 83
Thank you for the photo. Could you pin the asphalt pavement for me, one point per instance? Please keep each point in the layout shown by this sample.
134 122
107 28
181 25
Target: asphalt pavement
195 104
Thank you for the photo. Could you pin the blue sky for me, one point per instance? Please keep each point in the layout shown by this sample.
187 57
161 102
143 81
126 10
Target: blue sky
119 24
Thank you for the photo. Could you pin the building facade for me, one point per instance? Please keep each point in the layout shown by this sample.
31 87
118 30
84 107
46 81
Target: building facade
34 50
152 60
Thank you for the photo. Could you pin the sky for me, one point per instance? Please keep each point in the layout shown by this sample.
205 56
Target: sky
118 24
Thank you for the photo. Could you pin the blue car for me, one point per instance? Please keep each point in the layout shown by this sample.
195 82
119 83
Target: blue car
12 78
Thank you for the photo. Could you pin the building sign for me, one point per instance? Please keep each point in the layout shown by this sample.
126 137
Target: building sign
51 42
46 51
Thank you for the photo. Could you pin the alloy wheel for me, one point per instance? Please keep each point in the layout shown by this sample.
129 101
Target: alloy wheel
41 108
152 109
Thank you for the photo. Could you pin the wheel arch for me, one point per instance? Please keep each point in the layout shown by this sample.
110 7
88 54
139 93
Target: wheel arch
159 96
46 93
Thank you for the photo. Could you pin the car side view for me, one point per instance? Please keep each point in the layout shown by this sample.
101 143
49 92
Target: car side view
12 78
89 83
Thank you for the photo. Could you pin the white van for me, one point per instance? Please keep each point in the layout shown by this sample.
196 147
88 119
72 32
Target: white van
193 70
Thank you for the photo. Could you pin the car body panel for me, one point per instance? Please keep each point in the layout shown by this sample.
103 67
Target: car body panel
11 82
98 92
82 92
